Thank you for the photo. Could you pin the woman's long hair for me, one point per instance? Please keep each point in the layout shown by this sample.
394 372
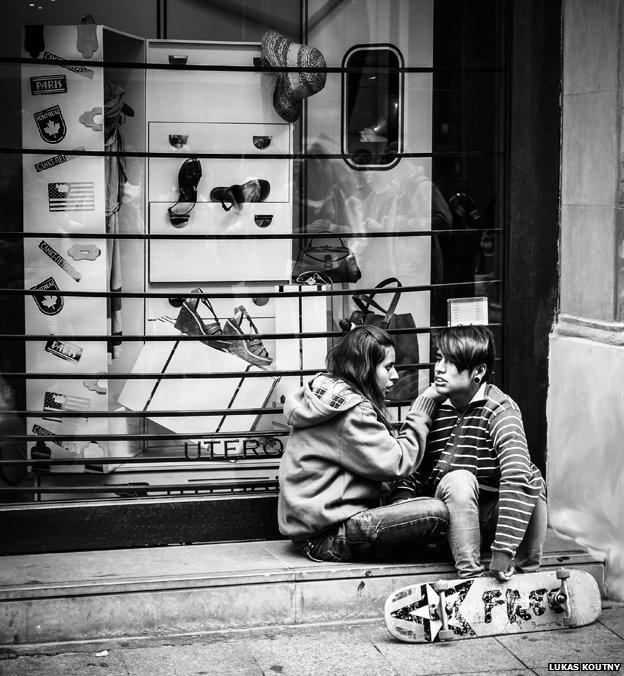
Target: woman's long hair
355 360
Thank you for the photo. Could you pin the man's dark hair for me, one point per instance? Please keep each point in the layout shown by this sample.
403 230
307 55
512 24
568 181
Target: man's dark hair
467 347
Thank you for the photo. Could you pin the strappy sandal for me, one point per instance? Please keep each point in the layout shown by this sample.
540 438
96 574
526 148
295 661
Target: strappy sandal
250 349
188 178
190 323
255 190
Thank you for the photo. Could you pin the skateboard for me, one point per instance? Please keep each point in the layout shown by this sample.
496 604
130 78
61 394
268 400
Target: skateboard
454 609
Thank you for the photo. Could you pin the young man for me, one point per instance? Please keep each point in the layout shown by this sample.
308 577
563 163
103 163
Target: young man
477 462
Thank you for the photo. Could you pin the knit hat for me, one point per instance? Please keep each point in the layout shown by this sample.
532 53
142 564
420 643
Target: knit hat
292 87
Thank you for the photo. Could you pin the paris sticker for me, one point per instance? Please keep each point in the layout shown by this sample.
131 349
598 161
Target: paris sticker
48 84
51 124
49 304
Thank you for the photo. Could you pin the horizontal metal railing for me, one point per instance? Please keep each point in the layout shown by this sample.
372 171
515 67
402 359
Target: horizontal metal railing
260 67
197 447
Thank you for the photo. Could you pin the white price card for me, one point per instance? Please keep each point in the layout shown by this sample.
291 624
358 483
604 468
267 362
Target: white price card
465 311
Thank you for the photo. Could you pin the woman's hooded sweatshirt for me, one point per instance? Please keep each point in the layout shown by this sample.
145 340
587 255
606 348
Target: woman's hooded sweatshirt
338 454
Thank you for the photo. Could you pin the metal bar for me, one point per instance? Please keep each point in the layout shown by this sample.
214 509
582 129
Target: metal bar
160 154
45 375
182 337
14 234
238 461
251 293
248 69
142 489
171 436
167 413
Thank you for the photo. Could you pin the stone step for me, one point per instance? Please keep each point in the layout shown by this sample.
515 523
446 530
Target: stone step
166 591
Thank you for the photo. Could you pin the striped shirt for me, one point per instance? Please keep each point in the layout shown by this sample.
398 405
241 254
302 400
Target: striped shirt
488 440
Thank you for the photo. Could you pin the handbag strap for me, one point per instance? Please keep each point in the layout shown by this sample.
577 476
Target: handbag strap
365 301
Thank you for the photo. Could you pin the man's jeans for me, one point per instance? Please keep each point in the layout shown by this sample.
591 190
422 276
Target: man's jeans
379 533
473 525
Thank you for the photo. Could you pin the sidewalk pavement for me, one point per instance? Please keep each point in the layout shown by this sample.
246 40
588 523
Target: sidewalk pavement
357 649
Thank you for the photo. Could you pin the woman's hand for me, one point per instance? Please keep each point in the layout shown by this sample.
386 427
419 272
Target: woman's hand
432 393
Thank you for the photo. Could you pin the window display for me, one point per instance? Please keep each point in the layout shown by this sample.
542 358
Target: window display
203 220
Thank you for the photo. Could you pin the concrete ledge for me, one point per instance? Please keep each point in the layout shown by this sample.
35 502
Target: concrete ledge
570 326
203 588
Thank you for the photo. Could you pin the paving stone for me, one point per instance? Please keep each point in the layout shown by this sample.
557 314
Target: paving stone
477 655
67 664
613 617
319 652
231 657
594 643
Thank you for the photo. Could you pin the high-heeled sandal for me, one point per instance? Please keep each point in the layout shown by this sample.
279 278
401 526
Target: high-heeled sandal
188 179
190 323
250 349
255 190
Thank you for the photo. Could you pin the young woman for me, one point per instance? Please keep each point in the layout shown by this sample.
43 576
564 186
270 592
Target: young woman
340 450
478 463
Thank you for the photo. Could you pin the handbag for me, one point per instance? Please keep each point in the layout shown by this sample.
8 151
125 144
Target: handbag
335 261
406 387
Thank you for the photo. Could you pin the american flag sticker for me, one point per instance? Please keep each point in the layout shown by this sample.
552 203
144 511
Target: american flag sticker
71 196
53 401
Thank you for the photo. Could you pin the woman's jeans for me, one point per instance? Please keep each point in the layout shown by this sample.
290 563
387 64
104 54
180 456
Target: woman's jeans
473 520
380 533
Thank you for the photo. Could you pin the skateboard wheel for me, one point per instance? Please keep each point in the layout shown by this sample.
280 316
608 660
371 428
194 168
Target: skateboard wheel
441 585
446 634
563 573
569 621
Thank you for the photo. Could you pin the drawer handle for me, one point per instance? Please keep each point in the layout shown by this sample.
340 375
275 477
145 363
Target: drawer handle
262 142
178 59
178 140
263 220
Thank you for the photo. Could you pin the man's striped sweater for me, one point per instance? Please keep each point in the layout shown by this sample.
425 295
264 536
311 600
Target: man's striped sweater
488 440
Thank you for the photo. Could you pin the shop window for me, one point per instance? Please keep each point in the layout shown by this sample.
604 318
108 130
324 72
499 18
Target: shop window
372 106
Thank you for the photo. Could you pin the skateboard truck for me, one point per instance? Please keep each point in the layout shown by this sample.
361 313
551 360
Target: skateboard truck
441 587
559 599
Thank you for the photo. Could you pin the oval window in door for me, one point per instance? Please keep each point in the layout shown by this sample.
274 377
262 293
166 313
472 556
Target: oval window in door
372 107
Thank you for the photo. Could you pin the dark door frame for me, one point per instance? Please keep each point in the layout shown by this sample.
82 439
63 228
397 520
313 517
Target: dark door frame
531 280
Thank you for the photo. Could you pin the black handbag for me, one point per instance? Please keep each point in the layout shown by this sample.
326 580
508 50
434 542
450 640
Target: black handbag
406 387
335 261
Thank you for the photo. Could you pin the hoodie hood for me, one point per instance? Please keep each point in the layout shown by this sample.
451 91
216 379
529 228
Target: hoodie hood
319 400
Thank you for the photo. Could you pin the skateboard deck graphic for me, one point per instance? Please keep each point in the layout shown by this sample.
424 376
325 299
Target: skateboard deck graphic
485 607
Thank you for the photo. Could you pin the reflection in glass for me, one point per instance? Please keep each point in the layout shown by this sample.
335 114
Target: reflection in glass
372 107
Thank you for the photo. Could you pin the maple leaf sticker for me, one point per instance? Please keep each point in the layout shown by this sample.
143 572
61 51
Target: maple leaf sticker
52 128
49 301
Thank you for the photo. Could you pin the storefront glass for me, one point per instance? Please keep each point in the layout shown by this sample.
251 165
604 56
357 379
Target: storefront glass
188 228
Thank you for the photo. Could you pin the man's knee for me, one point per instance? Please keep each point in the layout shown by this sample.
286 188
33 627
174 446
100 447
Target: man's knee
458 486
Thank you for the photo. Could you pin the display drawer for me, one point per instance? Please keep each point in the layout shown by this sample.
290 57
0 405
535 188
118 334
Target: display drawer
183 138
208 95
222 260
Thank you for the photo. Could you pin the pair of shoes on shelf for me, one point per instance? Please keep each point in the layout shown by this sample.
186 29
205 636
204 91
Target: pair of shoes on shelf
249 348
255 190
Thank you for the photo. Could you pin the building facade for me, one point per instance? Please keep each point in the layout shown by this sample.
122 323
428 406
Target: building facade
429 148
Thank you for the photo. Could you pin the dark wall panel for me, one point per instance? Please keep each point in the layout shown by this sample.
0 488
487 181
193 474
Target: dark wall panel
533 209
